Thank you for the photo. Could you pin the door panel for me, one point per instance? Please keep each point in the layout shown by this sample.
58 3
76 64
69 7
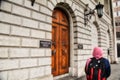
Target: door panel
60 43
55 49
63 19
56 16
63 49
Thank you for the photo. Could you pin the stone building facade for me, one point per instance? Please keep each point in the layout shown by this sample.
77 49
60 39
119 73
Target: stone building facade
116 6
23 27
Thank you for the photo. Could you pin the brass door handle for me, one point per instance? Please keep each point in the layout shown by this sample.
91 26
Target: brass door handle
53 43
64 51
63 43
53 52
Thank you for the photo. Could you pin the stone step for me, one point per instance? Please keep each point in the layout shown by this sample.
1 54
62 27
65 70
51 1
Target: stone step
72 78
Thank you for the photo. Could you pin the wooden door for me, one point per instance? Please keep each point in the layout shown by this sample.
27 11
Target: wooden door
60 43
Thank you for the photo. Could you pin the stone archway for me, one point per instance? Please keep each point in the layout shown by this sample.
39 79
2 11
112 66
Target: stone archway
71 17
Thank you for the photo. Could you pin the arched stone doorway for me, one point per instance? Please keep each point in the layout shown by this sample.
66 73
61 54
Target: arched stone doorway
72 23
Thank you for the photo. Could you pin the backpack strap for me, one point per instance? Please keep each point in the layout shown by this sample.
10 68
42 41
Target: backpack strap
101 73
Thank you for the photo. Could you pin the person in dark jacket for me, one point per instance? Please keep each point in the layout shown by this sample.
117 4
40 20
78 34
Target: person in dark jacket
98 54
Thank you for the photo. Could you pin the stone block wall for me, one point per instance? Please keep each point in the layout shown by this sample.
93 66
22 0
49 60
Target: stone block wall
22 27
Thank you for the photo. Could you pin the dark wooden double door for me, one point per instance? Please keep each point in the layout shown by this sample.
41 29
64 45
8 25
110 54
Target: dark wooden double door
60 43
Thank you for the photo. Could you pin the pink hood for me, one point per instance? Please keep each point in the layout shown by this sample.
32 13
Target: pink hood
97 52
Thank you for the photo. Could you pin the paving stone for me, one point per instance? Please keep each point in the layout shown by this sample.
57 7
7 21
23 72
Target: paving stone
115 74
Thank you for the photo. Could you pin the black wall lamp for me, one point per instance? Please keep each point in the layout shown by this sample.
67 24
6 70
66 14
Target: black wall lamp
32 2
88 13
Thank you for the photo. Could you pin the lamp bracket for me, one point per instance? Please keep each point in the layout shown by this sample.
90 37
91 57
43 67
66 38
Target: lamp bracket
88 14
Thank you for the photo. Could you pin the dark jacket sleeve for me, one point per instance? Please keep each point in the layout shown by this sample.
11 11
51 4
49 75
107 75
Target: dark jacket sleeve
107 68
86 68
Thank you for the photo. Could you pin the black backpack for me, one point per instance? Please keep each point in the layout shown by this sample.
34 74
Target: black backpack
96 69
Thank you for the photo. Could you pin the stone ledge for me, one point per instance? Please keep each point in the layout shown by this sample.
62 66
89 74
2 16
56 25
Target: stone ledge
72 78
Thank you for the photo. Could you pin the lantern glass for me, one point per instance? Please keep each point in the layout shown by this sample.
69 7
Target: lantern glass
99 8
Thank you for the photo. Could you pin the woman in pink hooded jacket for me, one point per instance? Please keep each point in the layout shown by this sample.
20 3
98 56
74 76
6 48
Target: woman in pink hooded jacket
97 67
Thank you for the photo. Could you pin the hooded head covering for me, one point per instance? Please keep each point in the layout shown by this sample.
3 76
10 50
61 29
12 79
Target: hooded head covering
97 52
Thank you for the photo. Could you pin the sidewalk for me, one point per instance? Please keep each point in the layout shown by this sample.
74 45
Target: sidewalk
115 74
